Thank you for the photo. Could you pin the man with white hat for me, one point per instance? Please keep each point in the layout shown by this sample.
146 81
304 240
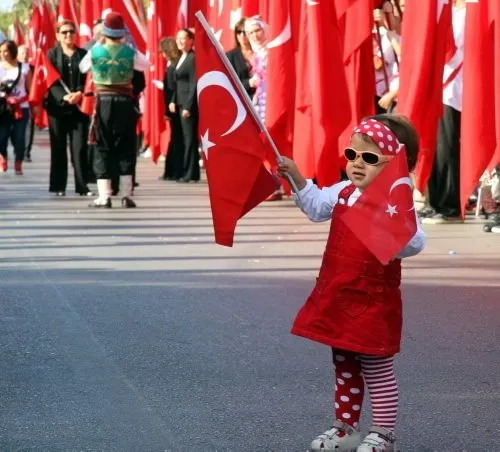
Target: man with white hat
115 117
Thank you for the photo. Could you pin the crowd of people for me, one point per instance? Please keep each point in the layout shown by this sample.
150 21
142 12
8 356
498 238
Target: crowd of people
249 58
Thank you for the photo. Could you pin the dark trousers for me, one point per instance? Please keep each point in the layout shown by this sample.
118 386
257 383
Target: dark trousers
15 129
191 156
174 162
76 128
444 183
115 147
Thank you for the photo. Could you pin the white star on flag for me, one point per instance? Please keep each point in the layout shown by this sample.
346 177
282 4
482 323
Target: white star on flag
206 144
391 210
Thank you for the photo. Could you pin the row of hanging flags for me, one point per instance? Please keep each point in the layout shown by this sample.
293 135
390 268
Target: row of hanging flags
321 74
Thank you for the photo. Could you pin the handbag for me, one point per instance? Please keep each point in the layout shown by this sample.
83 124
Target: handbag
6 87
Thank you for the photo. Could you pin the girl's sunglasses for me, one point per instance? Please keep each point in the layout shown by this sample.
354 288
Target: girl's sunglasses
370 158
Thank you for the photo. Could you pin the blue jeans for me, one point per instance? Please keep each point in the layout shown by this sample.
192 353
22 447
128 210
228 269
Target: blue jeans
15 129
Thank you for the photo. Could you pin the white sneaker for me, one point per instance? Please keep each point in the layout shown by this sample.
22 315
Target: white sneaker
495 229
331 441
379 439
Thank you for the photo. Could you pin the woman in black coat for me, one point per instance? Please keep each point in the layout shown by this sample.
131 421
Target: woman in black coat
174 159
185 106
66 121
241 58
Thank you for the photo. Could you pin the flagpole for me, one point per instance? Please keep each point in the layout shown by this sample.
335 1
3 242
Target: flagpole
239 87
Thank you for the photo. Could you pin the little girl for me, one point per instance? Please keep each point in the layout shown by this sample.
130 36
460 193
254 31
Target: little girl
355 307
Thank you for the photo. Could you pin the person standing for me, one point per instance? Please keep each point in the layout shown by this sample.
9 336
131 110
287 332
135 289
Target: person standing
356 306
185 106
175 156
242 57
65 118
115 116
15 82
444 182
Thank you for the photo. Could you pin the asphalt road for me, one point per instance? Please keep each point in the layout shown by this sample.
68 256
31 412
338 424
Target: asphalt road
130 330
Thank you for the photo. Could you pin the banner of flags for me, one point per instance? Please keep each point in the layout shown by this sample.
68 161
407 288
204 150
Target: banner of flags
321 70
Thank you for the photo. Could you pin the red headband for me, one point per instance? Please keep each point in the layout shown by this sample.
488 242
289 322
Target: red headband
384 137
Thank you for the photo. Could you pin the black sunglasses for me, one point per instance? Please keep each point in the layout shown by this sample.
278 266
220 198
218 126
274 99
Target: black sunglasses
370 158
240 32
67 32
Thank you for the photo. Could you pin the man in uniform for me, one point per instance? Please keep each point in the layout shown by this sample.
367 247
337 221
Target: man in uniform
115 118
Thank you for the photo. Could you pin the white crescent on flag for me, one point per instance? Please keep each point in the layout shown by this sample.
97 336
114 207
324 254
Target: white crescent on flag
284 36
218 78
402 181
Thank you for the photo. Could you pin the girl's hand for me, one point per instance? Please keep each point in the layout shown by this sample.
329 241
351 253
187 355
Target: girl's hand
286 167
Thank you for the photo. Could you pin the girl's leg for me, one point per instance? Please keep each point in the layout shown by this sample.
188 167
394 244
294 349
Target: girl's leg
349 390
349 387
378 373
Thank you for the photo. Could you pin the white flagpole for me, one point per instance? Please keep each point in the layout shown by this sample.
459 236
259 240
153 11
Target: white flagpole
239 87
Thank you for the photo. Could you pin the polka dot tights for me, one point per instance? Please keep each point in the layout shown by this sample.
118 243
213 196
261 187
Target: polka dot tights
352 371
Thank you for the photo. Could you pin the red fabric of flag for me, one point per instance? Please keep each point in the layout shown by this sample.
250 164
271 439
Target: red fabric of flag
67 11
322 102
86 21
425 41
45 75
383 218
281 77
355 22
230 139
478 129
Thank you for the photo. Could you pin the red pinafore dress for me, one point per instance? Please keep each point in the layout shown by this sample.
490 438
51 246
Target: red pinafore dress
356 303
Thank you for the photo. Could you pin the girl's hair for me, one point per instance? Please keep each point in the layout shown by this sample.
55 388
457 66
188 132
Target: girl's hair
406 133
11 48
170 49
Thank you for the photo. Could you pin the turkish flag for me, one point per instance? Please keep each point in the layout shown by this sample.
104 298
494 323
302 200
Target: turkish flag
426 35
355 22
322 102
250 8
87 105
222 16
478 128
383 218
230 139
281 80
45 75
97 9
67 11
86 21
131 18
18 33
154 124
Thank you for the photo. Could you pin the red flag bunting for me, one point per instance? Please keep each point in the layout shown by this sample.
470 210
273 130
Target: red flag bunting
231 141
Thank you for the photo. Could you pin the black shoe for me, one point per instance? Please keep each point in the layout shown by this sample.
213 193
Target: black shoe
182 181
98 205
136 184
87 193
61 193
426 211
28 159
128 203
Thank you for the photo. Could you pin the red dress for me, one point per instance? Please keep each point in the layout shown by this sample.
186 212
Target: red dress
356 303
